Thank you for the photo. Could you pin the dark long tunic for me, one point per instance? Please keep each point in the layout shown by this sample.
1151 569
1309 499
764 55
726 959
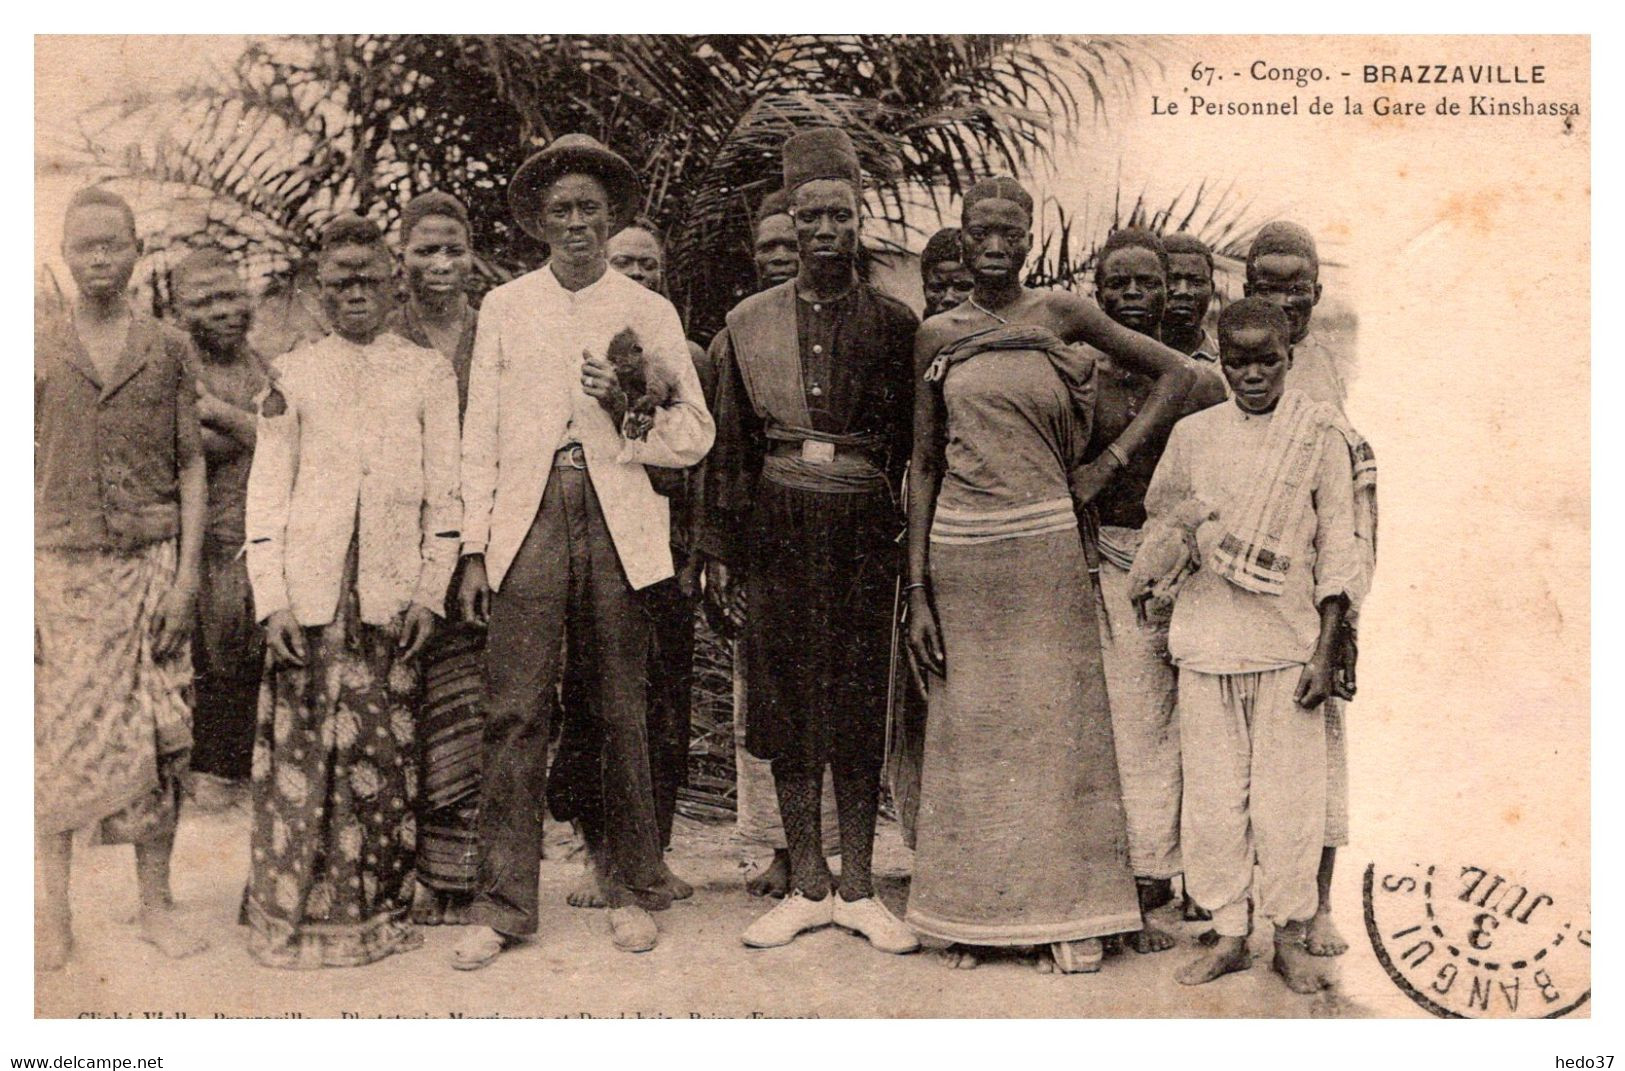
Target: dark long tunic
821 566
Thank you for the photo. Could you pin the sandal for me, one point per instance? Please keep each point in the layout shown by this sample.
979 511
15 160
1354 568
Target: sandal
632 929
1076 957
479 947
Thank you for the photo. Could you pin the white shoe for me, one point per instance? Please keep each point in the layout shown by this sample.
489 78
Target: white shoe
870 918
795 914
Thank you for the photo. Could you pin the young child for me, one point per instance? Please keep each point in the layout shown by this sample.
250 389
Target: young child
119 496
1282 556
1283 267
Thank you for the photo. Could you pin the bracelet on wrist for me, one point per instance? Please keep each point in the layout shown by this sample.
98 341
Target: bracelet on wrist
918 585
1117 452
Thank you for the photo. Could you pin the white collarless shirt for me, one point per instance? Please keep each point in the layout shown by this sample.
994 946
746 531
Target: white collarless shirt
525 402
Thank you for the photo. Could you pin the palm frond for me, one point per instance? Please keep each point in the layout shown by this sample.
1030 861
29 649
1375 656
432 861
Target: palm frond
1069 239
303 127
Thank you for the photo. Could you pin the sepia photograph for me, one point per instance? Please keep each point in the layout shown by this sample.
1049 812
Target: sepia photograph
845 526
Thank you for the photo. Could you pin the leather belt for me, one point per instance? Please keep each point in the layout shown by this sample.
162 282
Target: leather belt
570 457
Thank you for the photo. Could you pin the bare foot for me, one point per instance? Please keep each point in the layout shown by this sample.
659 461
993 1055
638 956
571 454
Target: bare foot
586 892
1150 939
1302 972
1208 938
428 906
162 930
1322 937
680 889
1228 955
1195 912
959 958
772 880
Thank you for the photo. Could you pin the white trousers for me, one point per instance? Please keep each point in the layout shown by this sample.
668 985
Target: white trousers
755 799
1140 688
1255 790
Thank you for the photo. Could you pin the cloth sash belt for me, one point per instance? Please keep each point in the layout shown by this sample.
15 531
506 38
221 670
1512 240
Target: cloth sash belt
768 354
835 464
1119 545
845 473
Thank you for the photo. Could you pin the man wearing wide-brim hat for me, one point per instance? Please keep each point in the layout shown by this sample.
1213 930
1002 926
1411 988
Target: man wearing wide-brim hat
560 523
815 398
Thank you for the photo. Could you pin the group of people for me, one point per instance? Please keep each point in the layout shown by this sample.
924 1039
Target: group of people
1129 559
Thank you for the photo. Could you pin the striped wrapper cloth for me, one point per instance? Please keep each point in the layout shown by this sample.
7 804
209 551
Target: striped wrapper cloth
1250 553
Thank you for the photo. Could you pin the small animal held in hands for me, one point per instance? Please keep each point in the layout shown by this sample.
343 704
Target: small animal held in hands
1168 555
642 381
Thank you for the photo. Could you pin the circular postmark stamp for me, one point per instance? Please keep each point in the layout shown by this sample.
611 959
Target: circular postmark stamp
1469 942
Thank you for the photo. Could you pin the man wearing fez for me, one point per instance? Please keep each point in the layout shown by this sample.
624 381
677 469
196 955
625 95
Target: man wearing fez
814 397
227 647
778 260
561 525
1190 292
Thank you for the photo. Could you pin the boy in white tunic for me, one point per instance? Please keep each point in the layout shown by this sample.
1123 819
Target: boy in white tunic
1265 484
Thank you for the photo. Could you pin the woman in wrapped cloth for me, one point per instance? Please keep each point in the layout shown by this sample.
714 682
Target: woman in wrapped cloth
1021 838
438 259
353 532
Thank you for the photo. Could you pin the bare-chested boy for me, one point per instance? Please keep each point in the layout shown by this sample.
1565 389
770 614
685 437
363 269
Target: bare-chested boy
1131 286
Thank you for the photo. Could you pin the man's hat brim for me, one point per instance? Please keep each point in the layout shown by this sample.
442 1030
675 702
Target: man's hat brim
528 187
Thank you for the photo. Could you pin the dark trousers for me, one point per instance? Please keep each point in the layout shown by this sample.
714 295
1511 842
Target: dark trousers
671 668
229 654
566 576
574 785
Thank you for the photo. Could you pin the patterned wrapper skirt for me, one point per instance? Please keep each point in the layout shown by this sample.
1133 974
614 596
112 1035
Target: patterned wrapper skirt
451 731
1021 837
112 725
335 779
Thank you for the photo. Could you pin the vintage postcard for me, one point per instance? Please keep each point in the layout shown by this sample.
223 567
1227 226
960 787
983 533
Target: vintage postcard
635 526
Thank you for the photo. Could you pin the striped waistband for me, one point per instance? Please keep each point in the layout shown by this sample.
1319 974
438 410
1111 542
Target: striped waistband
952 525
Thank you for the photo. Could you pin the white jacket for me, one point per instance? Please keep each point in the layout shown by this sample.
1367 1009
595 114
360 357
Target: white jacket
352 435
525 388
